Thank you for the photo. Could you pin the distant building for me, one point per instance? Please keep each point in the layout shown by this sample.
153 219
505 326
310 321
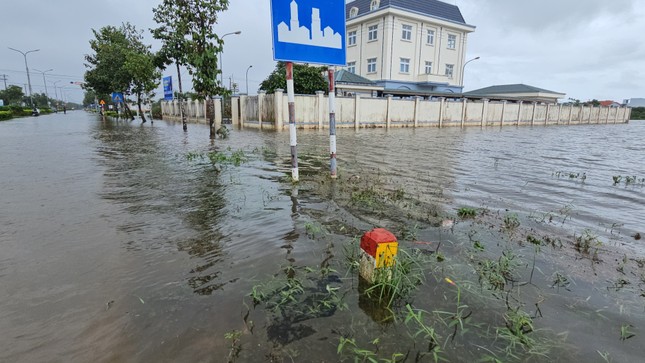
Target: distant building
518 92
610 103
349 84
409 45
636 102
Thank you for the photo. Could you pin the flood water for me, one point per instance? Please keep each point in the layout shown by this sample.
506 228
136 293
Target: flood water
120 242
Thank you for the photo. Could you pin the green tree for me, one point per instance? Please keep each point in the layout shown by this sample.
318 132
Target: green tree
193 26
638 113
307 79
172 32
121 63
12 95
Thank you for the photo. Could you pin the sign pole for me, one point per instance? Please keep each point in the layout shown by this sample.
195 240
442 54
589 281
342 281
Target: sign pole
292 123
332 123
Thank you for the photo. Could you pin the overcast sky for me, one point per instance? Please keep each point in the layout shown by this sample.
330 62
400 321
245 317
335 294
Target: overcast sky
586 49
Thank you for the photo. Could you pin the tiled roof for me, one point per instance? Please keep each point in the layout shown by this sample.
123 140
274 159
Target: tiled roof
344 76
508 88
433 8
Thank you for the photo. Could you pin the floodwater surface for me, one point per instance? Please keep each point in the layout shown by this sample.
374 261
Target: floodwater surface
130 242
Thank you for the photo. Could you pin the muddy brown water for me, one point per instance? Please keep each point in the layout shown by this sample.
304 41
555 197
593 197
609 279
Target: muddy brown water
120 243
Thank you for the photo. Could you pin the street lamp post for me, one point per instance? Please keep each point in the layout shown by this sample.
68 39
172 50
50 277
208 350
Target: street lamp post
463 69
45 82
221 75
56 92
247 79
24 54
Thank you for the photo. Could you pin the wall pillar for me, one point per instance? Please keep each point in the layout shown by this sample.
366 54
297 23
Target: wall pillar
533 116
484 111
441 111
464 106
557 122
608 112
417 100
582 114
519 113
261 95
243 115
277 108
321 113
501 121
388 117
616 116
357 113
570 114
235 109
548 110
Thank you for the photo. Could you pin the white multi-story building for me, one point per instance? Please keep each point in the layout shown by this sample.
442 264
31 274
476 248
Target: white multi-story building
407 45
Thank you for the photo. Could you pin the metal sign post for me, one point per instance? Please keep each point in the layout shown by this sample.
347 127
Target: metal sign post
308 31
332 124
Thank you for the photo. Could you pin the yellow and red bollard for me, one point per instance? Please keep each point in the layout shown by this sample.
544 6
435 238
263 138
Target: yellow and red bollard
378 250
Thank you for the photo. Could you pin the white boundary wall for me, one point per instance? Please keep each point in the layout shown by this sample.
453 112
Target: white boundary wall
270 111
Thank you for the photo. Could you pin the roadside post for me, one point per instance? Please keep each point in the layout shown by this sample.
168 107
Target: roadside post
318 40
332 124
379 248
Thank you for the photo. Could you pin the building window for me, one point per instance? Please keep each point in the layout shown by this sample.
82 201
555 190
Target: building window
452 41
374 5
353 12
351 38
430 39
406 33
428 67
405 65
372 32
450 69
351 67
371 65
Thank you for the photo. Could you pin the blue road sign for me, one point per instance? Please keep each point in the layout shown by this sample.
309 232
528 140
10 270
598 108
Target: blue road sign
167 88
117 97
309 31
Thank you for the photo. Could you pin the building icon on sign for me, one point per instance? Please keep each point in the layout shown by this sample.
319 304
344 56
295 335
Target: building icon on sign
313 36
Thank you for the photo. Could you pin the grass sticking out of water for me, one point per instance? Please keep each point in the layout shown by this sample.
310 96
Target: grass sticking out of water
466 212
398 282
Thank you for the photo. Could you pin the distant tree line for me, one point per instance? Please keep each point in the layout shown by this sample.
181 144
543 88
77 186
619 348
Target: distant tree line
638 113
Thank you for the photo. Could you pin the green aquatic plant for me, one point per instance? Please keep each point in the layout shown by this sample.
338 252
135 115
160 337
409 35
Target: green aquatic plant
466 212
236 348
617 179
625 332
397 282
427 332
511 221
586 242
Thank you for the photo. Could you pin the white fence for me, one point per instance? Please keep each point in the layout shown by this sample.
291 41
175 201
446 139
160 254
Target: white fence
195 111
270 111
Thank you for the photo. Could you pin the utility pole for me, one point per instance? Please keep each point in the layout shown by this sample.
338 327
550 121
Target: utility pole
4 78
24 54
45 82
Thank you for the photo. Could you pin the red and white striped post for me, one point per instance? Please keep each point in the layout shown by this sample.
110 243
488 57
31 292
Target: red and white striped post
292 123
332 123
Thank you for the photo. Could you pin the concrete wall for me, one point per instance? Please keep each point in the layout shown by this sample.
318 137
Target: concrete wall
195 111
271 111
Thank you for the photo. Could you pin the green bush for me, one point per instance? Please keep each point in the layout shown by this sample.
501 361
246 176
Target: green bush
5 115
638 113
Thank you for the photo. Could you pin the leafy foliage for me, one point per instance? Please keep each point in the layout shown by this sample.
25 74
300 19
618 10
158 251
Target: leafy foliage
12 95
638 113
307 79
121 62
